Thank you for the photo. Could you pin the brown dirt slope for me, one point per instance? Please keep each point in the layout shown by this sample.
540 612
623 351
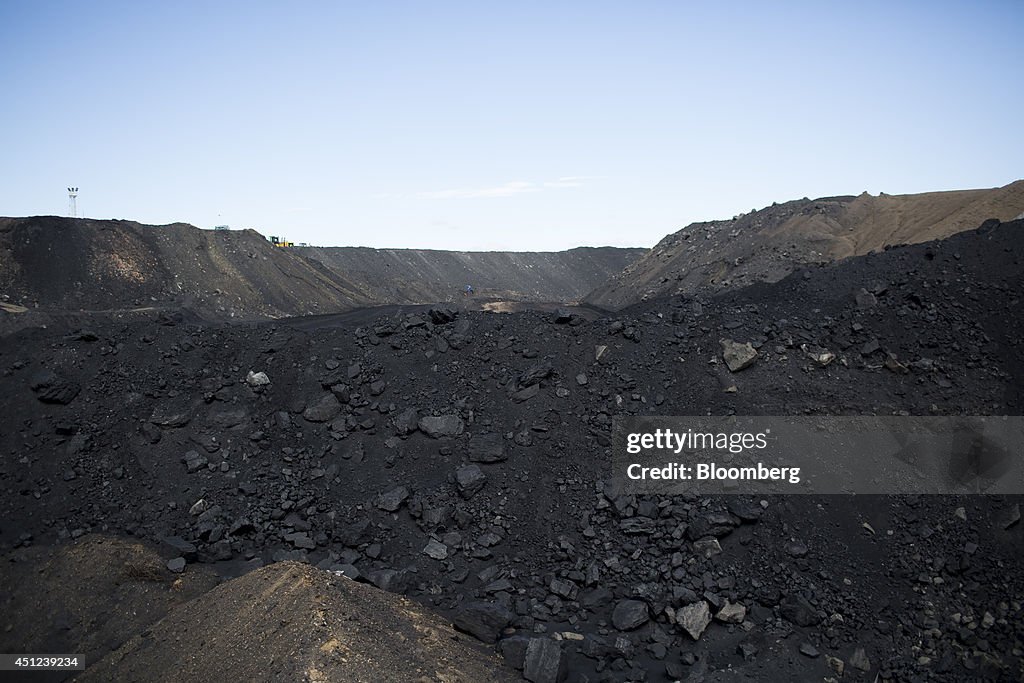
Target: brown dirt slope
427 276
73 264
292 622
87 597
766 245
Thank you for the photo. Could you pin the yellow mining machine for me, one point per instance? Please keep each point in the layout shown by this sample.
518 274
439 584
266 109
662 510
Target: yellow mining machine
280 241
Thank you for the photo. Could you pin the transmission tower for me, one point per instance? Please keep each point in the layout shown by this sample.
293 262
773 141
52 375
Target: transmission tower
73 201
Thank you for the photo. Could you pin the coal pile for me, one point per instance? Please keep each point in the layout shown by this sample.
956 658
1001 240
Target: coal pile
76 264
460 459
768 244
426 275
59 266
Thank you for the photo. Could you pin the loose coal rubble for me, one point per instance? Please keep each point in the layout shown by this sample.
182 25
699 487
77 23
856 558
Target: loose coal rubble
461 459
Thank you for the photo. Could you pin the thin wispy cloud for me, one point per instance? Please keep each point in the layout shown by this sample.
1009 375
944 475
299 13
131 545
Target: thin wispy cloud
567 181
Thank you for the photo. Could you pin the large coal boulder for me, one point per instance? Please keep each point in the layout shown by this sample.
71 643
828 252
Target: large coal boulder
483 620
441 426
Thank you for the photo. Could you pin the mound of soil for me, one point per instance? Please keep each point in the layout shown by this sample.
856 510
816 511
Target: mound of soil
461 459
292 622
766 245
87 597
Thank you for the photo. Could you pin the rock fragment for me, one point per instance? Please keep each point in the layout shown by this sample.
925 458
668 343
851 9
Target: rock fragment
469 479
859 660
564 588
865 300
324 410
747 649
171 416
513 649
869 347
737 356
487 448
534 375
543 662
442 315
694 618
483 620
435 549
731 613
796 549
300 540
808 650
820 357
407 421
257 379
630 614
892 364
194 461
182 547
390 501
525 394
437 427
51 388
744 508
707 547
389 580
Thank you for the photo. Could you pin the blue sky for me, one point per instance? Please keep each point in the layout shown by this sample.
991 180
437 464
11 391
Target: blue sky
485 125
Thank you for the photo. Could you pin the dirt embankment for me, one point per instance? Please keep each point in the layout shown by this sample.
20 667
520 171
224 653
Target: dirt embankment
49 263
87 597
116 603
425 275
293 622
81 264
766 245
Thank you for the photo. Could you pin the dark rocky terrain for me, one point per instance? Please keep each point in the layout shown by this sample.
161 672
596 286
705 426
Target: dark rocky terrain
766 245
460 459
59 266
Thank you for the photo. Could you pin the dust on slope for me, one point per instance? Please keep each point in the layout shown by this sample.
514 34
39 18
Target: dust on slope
82 264
766 245
872 223
289 621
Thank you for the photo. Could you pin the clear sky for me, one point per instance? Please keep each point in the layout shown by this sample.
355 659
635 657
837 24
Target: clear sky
498 125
